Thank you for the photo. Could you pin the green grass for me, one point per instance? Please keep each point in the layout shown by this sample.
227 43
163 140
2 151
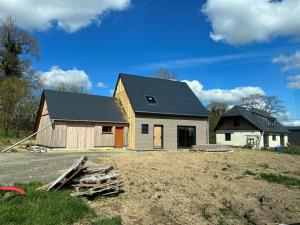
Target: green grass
41 207
292 150
279 179
109 221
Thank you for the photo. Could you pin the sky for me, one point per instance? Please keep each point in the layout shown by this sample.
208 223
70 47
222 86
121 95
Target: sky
223 49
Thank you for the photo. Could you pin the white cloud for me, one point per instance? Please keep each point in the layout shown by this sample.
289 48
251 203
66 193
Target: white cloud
56 76
189 62
101 85
291 62
294 81
291 123
244 21
70 15
228 96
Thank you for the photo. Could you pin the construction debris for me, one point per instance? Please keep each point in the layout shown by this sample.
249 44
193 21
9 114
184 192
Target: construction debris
38 149
89 181
211 148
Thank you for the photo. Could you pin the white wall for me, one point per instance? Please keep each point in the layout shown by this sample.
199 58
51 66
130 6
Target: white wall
238 137
277 142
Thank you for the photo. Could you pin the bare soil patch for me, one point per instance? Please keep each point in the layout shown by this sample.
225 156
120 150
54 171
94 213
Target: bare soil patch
180 187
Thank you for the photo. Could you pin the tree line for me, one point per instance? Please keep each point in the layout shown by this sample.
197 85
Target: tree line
20 84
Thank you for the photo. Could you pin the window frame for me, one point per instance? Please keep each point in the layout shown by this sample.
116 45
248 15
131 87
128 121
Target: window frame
149 102
146 126
227 135
107 132
274 137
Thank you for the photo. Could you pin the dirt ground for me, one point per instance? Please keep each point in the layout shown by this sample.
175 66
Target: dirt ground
180 187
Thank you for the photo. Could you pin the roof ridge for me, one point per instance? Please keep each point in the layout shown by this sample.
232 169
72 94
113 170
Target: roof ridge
147 77
75 93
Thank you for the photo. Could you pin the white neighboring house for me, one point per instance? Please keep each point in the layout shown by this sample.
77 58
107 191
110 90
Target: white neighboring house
240 126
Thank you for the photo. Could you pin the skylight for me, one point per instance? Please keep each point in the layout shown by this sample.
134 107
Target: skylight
151 99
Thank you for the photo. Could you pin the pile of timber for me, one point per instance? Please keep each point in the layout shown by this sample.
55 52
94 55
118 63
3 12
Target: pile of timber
86 181
210 148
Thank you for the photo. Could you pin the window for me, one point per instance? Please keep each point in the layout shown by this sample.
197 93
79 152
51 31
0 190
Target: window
145 129
271 122
274 137
107 129
227 137
151 99
236 122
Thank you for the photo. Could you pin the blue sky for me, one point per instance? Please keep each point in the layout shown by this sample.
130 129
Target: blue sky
142 36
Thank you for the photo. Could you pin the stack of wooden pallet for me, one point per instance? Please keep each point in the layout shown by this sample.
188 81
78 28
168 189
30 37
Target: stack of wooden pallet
104 181
89 181
211 148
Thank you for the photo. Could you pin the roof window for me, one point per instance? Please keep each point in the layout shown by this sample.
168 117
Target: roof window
151 99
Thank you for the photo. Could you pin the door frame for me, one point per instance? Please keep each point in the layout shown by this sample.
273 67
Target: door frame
121 128
195 138
282 141
267 140
162 136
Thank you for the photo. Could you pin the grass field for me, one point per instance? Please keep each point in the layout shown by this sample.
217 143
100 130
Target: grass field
47 208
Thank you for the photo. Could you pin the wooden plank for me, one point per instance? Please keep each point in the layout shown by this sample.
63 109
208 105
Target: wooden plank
69 174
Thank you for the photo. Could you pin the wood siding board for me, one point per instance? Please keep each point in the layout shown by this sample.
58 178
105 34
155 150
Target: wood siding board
121 95
227 124
44 137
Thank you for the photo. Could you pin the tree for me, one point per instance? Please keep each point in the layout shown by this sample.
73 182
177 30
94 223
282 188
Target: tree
164 74
17 105
17 48
216 111
270 104
18 81
70 88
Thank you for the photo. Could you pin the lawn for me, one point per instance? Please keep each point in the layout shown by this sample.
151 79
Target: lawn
47 208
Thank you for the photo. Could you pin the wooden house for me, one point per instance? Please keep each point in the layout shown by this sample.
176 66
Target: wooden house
143 114
80 121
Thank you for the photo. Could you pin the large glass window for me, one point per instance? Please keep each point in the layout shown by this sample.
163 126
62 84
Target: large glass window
186 136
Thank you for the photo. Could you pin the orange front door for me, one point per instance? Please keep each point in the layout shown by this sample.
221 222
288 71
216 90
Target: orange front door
119 137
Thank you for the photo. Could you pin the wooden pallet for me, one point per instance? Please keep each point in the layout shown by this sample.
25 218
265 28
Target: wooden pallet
69 174
104 189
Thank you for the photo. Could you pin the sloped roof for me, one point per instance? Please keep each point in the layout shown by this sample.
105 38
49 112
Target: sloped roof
255 119
82 107
293 128
173 97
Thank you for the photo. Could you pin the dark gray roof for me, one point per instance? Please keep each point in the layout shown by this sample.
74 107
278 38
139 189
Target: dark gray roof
82 107
173 97
256 120
262 113
293 128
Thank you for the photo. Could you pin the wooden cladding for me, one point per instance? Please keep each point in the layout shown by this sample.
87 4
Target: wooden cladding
80 136
121 95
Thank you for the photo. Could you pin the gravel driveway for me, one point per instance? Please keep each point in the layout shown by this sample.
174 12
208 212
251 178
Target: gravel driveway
44 167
